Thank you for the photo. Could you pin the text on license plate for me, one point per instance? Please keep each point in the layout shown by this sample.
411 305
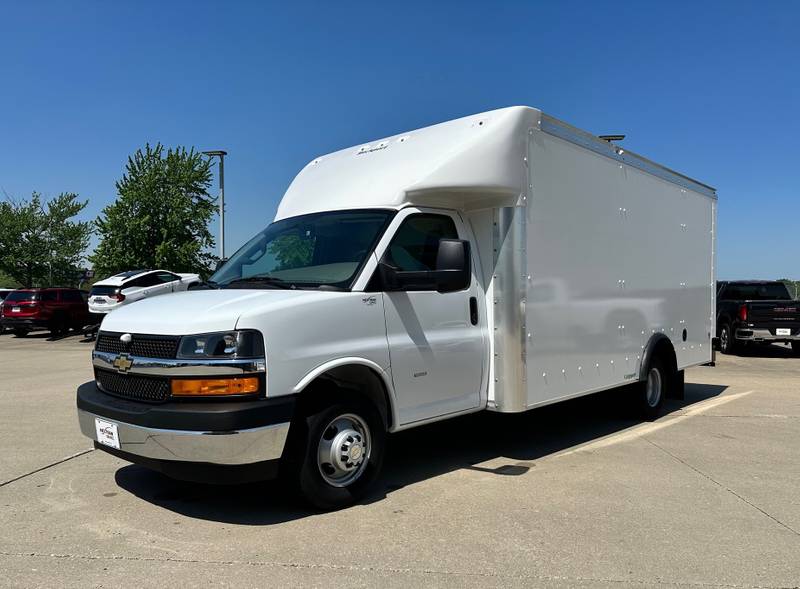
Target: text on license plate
15 309
783 331
107 433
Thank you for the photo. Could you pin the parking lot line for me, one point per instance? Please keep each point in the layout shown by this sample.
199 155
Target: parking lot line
644 429
52 464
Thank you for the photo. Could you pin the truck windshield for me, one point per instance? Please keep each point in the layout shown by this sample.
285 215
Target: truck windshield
770 291
308 251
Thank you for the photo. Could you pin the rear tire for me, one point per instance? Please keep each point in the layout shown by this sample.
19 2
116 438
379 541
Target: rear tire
335 452
796 348
20 332
726 341
653 389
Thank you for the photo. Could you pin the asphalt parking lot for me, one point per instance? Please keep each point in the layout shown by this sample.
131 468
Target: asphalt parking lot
579 494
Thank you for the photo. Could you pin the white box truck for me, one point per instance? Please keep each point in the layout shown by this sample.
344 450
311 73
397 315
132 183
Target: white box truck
502 262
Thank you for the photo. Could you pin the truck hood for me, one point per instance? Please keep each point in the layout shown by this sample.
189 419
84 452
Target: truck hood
203 311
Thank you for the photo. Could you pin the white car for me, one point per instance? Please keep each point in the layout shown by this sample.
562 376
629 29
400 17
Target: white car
128 287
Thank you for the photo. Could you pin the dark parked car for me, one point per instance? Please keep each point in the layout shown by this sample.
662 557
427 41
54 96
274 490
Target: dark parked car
55 309
756 311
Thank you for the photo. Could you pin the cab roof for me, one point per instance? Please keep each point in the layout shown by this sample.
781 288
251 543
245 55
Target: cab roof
471 162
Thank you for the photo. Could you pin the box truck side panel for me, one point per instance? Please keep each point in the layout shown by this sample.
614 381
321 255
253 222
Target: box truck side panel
670 232
614 254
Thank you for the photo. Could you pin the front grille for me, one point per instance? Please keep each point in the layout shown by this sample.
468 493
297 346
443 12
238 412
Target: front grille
130 386
146 346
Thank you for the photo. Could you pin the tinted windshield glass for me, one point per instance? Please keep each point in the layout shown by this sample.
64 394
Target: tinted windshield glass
21 295
772 291
307 251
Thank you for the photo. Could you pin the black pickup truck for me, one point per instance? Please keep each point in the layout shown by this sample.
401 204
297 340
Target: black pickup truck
756 311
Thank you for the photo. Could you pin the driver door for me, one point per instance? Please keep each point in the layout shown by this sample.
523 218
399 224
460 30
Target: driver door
436 340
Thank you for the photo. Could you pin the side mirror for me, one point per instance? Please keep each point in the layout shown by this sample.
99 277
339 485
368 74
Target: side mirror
452 271
452 265
219 264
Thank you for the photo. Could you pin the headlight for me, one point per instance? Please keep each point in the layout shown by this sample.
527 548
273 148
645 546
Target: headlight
225 344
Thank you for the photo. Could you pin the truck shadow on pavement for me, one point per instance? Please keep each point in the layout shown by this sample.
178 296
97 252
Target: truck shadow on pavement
765 351
419 454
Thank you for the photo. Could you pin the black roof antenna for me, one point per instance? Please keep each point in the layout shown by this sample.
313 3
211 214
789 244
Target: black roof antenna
611 138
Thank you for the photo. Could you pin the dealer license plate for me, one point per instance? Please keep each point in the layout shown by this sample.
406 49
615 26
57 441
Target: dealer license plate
107 433
783 331
15 309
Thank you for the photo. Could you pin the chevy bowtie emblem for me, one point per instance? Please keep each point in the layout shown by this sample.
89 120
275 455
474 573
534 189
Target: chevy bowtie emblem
123 363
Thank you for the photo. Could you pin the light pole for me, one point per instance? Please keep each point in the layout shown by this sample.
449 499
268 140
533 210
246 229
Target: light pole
221 155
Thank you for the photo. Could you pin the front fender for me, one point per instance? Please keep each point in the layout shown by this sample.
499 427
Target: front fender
374 368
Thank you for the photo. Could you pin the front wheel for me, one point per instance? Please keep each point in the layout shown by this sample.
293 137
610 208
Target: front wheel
796 348
20 332
336 453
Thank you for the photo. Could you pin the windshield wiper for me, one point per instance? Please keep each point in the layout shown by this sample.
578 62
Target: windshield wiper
271 280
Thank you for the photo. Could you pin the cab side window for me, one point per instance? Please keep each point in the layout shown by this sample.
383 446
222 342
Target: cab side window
49 296
416 243
165 277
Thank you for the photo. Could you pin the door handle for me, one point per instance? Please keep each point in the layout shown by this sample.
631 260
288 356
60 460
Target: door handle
473 310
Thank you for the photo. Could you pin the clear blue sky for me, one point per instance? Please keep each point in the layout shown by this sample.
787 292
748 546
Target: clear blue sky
711 89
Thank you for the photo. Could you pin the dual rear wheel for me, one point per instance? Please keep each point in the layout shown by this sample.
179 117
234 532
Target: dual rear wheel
653 389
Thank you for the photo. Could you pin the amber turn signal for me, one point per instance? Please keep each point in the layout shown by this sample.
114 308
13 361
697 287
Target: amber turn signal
211 387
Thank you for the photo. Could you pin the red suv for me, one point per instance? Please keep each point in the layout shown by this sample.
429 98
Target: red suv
55 309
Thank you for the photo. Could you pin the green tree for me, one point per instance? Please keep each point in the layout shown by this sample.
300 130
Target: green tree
792 285
40 243
161 215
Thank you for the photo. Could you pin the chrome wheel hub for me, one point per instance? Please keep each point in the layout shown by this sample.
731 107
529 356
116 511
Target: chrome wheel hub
343 450
654 384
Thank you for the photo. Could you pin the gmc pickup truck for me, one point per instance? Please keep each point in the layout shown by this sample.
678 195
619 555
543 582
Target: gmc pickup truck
756 311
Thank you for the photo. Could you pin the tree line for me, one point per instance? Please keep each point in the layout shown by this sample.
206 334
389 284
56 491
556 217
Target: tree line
159 219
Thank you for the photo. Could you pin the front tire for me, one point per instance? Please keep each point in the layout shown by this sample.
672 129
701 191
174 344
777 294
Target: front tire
796 348
336 452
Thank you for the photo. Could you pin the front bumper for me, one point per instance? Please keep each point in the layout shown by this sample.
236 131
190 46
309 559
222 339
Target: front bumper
203 433
750 334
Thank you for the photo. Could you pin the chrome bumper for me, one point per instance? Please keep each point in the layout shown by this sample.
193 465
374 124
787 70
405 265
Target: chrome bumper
746 334
225 448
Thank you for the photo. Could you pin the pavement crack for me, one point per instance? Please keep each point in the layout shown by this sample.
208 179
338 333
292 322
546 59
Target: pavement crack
726 488
396 570
51 465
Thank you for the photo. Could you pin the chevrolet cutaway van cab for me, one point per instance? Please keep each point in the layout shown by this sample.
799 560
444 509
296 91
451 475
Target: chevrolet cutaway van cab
502 262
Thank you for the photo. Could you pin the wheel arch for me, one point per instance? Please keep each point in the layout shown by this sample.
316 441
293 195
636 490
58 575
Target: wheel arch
658 345
358 375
